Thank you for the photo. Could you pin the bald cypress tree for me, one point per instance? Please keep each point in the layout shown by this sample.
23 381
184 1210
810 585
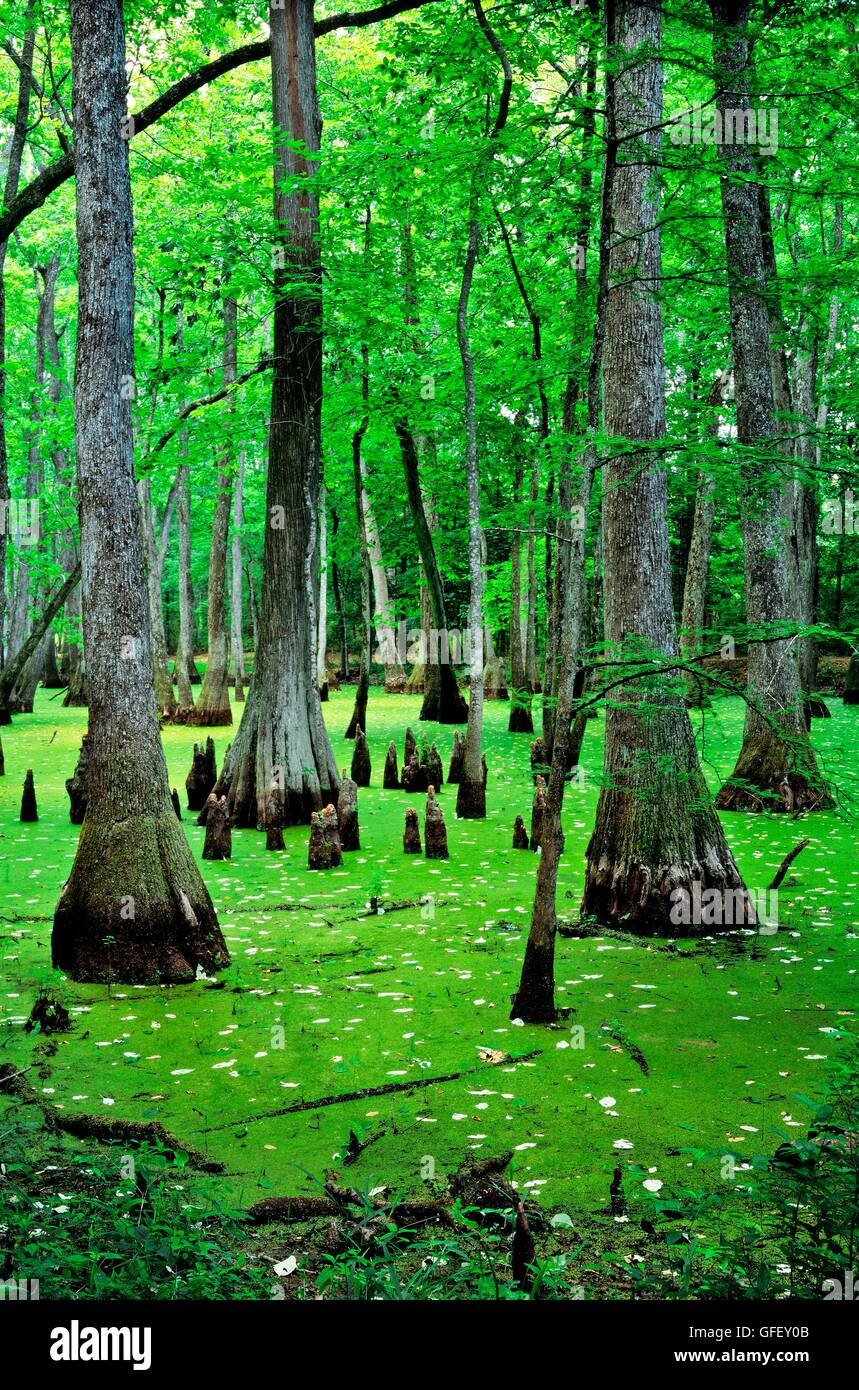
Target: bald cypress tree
135 907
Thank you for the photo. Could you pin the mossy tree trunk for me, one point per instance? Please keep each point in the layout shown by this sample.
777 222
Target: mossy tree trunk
386 633
656 831
698 559
167 706
13 152
362 690
185 645
134 907
442 700
776 752
281 767
322 616
237 636
184 662
520 720
213 702
471 793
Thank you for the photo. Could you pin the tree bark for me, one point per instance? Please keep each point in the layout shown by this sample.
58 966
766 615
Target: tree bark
237 638
281 767
134 907
154 574
322 619
185 646
386 633
776 753
656 833
520 720
11 672
362 690
698 560
213 702
442 700
471 792
10 190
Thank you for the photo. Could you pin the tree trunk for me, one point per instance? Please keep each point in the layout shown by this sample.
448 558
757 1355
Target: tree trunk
442 700
698 561
213 702
237 638
531 570
281 767
520 721
657 837
185 646
322 620
134 907
471 792
338 600
362 690
154 573
386 632
776 766
13 174
11 672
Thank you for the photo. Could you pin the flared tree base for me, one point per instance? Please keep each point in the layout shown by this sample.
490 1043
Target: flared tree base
135 909
766 779
203 717
443 702
292 796
815 708
521 720
470 800
666 900
534 1001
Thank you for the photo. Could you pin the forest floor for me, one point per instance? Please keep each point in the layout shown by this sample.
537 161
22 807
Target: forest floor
695 1046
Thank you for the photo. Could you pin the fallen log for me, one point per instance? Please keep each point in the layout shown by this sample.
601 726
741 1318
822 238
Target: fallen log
391 1087
786 863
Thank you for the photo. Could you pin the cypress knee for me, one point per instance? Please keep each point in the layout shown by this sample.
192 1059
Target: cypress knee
274 835
520 834
29 811
538 757
435 831
457 753
211 765
435 773
410 746
412 834
332 835
361 759
391 775
347 814
219 839
76 786
200 780
174 797
414 776
537 810
319 852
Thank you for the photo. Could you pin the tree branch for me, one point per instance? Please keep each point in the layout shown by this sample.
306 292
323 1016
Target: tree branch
39 190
